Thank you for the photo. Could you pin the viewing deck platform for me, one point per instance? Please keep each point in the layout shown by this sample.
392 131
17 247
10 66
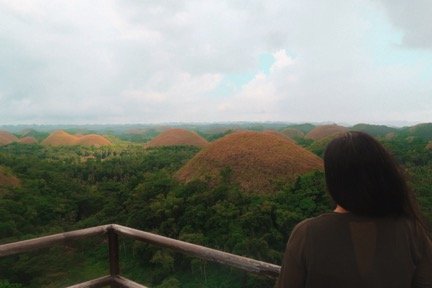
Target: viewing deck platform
113 231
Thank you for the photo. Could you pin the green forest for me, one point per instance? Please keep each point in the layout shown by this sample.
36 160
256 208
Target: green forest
72 187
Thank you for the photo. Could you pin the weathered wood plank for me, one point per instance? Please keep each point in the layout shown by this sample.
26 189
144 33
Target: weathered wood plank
46 241
243 263
113 252
95 283
126 283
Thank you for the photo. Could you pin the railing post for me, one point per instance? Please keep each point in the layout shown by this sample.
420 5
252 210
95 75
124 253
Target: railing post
113 248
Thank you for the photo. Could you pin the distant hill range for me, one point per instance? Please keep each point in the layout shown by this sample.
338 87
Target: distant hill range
196 134
62 138
256 161
374 130
423 131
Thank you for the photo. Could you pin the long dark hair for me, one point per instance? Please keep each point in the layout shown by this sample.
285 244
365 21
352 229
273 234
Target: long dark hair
363 178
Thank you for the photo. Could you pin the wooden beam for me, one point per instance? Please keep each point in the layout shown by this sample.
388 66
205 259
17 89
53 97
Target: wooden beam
113 255
243 263
126 283
46 241
95 283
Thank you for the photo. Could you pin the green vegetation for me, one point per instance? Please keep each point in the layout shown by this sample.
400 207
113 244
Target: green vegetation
374 130
71 187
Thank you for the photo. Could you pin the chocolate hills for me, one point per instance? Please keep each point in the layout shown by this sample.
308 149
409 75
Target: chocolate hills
61 137
37 135
255 161
318 146
293 133
7 179
28 140
422 131
93 140
177 137
7 138
373 130
269 131
324 131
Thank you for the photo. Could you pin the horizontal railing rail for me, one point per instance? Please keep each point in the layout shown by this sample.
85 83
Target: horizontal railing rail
114 230
116 281
46 241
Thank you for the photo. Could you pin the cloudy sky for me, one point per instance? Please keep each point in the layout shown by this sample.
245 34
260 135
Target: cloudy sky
126 61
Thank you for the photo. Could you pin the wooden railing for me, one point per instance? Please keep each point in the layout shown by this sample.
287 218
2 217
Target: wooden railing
113 231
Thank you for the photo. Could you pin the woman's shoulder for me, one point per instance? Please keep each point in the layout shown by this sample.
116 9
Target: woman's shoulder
314 222
322 219
332 222
336 218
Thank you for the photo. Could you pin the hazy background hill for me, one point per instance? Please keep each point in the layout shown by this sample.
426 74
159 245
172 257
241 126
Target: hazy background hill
145 132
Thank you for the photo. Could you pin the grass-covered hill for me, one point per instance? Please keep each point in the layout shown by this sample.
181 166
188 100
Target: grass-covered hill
256 161
177 137
7 179
374 130
7 138
60 137
422 131
93 140
293 133
33 133
323 131
28 140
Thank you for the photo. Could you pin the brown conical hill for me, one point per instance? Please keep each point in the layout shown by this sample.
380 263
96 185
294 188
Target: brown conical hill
256 161
276 133
93 140
269 131
319 146
28 140
7 179
324 131
293 133
7 138
59 138
177 137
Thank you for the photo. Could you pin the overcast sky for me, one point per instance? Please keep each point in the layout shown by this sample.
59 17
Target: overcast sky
343 61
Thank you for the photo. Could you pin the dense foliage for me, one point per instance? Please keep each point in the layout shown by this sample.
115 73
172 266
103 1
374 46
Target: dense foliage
67 188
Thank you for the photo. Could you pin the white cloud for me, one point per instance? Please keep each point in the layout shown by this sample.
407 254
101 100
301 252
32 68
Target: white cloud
413 19
142 96
260 98
282 60
150 61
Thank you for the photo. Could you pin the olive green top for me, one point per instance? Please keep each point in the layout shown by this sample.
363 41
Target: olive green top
345 250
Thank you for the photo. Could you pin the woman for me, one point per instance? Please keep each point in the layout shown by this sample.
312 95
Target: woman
376 236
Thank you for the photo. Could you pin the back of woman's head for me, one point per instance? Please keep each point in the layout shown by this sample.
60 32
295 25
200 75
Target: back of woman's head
363 178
